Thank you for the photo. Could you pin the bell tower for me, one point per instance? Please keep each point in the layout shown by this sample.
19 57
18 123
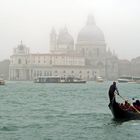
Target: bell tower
53 40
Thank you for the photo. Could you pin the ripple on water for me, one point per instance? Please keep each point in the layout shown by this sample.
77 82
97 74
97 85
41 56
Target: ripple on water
62 112
9 128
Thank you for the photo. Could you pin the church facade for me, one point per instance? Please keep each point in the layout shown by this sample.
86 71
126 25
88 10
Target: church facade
86 58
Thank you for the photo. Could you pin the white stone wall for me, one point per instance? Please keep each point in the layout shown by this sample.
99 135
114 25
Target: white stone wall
28 67
54 59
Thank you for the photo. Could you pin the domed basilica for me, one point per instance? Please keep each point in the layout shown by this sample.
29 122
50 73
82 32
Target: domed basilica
87 57
90 44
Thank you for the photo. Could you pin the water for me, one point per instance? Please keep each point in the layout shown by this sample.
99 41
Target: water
30 111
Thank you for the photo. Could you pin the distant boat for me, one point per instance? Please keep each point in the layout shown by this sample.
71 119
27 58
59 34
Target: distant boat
129 79
137 79
58 79
125 79
2 82
99 79
120 80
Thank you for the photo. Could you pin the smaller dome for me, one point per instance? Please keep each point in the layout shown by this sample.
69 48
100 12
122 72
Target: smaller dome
64 38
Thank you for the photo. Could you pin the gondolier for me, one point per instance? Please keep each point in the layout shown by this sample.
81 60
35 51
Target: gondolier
121 111
112 90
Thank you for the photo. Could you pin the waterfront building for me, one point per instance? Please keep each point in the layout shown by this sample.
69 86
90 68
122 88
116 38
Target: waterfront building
91 45
124 68
85 58
135 67
27 66
62 42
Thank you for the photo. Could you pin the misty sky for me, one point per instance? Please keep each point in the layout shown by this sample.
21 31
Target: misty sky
31 21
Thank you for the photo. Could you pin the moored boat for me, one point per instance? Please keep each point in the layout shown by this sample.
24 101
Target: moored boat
129 79
123 114
2 82
99 79
125 79
138 81
58 79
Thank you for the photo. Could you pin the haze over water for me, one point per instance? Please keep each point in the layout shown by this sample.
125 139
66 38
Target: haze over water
32 21
34 111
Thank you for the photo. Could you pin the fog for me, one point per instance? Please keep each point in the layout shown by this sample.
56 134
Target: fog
32 20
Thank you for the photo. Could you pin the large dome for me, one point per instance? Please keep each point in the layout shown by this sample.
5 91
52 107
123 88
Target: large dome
90 34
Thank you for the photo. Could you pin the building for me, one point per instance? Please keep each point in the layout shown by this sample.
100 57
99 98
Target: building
62 42
124 68
27 66
135 67
91 45
86 58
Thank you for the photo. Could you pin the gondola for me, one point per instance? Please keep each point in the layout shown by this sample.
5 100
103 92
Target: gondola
121 114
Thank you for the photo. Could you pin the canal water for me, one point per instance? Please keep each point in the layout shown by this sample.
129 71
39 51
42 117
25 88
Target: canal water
31 111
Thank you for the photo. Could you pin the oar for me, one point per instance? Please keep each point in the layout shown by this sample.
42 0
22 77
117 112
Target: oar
129 103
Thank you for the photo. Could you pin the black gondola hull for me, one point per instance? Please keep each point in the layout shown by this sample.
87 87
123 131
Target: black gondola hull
121 114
